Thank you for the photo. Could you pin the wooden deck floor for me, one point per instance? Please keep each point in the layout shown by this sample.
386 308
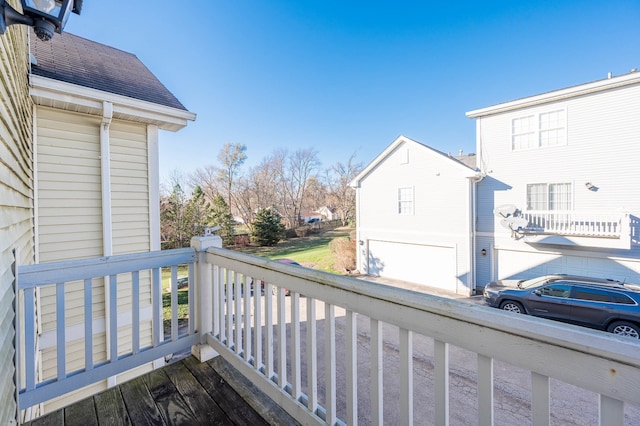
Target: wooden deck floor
185 392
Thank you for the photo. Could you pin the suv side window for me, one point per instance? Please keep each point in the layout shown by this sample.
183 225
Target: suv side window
556 290
587 293
622 299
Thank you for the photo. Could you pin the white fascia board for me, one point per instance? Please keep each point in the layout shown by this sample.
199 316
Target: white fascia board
466 171
558 95
167 118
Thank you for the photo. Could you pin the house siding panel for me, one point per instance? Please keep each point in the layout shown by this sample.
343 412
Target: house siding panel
602 148
16 196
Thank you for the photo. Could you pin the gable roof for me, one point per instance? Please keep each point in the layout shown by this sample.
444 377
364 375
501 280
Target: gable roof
76 60
466 162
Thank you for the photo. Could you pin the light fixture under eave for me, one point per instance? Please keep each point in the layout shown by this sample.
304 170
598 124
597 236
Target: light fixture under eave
46 16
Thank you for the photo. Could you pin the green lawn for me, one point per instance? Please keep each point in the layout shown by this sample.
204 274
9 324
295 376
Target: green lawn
311 251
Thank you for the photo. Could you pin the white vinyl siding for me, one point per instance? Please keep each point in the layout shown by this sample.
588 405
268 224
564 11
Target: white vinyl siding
539 130
16 196
405 201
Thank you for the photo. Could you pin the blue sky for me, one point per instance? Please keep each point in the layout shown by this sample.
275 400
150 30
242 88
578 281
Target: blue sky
348 77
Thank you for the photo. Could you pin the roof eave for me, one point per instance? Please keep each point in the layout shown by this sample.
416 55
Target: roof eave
71 97
558 95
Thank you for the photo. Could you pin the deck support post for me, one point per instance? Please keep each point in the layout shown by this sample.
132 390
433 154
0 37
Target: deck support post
203 292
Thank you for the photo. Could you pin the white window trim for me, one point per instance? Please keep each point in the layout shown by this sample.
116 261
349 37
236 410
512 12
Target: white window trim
399 200
537 130
547 184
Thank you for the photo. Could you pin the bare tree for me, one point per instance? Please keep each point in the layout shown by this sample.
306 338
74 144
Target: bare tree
207 179
341 195
294 172
231 158
256 190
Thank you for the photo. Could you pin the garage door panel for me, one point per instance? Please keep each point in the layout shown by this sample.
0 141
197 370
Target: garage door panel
521 264
430 265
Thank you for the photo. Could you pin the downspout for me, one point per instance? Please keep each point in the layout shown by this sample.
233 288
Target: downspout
107 228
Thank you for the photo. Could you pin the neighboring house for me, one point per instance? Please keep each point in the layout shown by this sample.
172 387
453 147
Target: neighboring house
560 193
414 217
555 193
78 178
328 213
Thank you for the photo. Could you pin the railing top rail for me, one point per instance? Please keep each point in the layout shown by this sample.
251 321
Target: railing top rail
50 273
423 313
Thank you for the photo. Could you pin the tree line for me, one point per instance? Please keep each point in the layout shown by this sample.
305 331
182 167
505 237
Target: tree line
281 188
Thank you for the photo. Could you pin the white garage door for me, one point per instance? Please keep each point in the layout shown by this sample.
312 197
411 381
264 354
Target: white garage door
434 266
524 264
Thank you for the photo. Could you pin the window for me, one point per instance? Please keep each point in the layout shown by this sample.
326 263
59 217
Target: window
556 290
595 294
549 196
405 201
552 128
523 133
539 130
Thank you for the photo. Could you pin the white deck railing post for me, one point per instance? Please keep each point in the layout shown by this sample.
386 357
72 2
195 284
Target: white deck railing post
202 287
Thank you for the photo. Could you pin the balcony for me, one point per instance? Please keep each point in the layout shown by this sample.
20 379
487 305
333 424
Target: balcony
336 351
577 228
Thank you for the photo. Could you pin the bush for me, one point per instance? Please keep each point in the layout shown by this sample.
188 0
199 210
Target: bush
344 250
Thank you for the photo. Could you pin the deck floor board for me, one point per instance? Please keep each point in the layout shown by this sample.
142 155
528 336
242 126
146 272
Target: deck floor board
185 392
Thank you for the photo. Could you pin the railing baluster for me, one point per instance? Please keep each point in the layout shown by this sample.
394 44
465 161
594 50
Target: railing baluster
61 349
88 324
376 373
312 362
216 301
156 295
296 390
113 313
540 399
174 303
229 306
485 390
237 311
611 411
406 377
135 311
352 368
257 324
441 358
30 338
268 326
191 290
222 303
330 362
248 292
282 339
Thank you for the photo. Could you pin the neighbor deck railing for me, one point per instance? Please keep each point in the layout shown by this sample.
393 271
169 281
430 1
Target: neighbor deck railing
112 270
559 222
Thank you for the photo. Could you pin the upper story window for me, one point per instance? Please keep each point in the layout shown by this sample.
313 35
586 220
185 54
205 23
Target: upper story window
538 130
549 196
405 201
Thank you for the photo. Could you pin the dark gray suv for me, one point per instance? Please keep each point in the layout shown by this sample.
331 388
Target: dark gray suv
591 302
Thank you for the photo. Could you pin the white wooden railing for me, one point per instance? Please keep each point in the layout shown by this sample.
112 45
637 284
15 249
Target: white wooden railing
322 353
264 335
30 279
561 222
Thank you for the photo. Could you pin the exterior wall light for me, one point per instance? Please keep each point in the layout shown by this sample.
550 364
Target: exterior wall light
483 252
45 16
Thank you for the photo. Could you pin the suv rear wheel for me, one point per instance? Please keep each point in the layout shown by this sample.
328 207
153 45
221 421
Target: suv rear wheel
623 328
511 306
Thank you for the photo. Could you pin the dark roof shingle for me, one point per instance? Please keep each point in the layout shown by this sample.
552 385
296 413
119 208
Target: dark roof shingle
83 62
